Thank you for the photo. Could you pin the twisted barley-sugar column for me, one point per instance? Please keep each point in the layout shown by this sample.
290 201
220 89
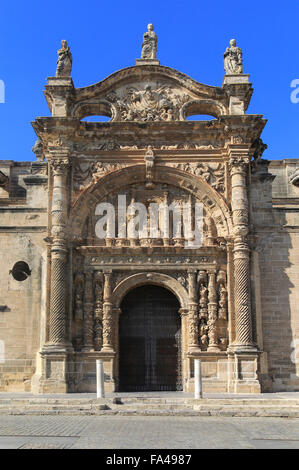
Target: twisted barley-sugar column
107 314
57 334
193 311
239 169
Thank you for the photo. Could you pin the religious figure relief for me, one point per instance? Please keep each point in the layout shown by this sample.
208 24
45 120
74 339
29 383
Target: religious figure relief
204 339
149 164
233 59
149 45
150 104
222 311
64 61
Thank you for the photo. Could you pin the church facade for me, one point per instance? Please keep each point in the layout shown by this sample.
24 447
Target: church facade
149 304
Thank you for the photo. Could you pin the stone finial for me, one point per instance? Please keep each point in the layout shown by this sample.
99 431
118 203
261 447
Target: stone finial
38 150
64 61
233 63
149 45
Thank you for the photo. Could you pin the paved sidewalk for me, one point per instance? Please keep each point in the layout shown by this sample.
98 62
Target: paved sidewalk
101 432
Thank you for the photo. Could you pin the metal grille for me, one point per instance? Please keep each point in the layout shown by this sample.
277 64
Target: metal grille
150 341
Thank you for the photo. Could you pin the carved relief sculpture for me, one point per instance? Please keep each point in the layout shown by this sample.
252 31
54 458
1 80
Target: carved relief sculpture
153 103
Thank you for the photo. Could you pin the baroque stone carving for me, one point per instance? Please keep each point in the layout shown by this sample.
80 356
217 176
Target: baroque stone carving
38 149
212 313
79 290
149 164
149 45
238 164
233 63
98 312
222 311
64 61
211 173
59 166
3 180
88 312
259 148
86 173
294 177
162 103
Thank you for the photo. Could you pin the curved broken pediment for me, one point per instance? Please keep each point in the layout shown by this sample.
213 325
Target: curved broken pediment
149 93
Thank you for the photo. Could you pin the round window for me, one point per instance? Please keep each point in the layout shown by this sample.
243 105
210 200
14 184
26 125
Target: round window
20 271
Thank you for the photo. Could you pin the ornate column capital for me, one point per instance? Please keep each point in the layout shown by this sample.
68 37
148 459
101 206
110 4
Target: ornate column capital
238 165
59 165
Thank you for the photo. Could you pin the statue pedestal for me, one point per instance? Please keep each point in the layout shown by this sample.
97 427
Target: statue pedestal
147 62
237 78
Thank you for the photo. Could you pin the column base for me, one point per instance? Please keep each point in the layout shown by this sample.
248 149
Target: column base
243 348
244 367
52 371
213 348
107 349
194 349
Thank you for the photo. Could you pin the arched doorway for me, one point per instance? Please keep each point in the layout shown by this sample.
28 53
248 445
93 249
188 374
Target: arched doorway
150 341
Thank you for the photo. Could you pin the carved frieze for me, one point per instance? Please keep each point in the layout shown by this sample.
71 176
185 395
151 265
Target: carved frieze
86 173
154 102
212 173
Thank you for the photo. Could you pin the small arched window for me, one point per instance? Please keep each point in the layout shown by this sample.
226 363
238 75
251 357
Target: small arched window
200 117
96 118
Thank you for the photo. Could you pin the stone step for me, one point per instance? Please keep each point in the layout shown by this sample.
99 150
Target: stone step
211 401
147 401
170 406
263 412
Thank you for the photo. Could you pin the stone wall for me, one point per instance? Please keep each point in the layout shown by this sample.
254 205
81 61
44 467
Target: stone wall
275 215
23 224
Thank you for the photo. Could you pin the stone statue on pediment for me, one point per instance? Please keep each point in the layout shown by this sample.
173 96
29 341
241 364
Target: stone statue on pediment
149 45
64 61
233 63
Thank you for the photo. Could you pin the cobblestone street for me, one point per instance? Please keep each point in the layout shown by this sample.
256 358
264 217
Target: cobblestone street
100 432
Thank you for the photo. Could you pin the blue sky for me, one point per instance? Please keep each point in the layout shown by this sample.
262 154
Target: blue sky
106 36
